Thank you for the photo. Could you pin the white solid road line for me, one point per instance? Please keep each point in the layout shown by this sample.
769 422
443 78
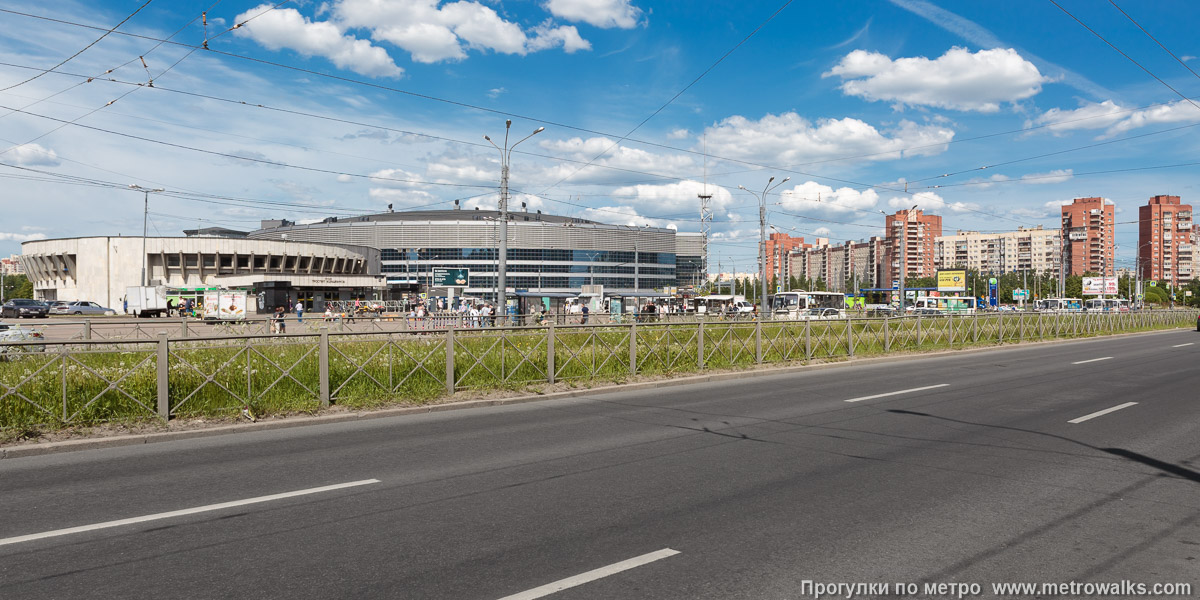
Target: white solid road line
920 389
600 573
1102 412
180 513
1092 360
1182 345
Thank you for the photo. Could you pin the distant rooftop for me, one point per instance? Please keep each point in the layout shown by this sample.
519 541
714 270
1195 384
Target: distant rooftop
435 215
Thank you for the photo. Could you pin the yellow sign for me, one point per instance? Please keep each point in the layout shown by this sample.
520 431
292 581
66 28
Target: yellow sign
952 281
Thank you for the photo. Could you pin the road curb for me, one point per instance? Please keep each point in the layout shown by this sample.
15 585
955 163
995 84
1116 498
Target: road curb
36 449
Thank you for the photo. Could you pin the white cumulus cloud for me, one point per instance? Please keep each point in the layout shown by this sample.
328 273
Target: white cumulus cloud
790 139
431 33
958 80
598 13
287 28
930 203
21 237
682 198
1114 118
812 196
32 155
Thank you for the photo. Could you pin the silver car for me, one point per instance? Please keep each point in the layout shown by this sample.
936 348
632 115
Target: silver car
81 307
16 333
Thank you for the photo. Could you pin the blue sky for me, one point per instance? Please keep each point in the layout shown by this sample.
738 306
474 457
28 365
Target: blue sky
310 109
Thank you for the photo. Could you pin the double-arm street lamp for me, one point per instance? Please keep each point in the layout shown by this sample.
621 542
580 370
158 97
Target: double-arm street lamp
505 157
145 219
762 237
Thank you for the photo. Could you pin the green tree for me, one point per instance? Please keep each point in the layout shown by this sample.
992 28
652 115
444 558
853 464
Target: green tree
17 286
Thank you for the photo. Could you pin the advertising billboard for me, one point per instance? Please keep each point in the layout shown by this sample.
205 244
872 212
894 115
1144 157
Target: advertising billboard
1096 286
952 281
451 277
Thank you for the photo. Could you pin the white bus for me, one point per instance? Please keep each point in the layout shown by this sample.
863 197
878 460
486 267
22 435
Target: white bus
1059 305
799 304
946 304
1107 305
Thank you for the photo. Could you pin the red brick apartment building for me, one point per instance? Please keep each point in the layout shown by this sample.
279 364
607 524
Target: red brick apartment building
917 231
1165 246
1087 229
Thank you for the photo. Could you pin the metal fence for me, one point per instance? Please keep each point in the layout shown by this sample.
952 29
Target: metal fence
60 383
128 328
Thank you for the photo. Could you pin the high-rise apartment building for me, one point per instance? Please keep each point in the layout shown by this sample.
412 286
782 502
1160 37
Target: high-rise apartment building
779 245
1087 225
841 267
1164 252
1026 249
916 231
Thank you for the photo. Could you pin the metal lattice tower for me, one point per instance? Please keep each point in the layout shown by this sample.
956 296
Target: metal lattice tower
706 217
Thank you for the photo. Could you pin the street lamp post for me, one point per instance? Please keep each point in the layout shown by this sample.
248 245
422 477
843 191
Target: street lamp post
762 239
505 157
145 221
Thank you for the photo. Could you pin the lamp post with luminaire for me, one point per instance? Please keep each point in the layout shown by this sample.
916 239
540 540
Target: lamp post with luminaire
505 158
762 238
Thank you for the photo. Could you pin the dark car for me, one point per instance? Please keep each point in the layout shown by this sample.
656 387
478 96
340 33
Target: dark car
24 307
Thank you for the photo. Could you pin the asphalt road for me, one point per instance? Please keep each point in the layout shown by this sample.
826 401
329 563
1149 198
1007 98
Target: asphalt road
754 485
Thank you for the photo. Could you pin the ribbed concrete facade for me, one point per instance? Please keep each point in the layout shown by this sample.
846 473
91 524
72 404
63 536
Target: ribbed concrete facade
99 269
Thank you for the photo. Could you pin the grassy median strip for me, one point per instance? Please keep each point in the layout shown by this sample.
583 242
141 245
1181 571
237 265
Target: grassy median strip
84 384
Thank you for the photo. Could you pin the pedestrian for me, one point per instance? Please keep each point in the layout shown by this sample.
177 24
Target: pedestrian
299 311
277 321
585 314
170 306
125 304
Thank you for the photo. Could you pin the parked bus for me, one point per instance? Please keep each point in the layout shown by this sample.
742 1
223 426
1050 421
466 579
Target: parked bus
946 304
799 304
1059 305
1107 305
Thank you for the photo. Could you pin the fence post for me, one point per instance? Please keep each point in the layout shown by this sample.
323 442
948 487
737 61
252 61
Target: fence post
1001 335
951 335
919 339
450 360
323 361
183 327
700 345
1020 328
633 347
758 350
975 329
164 371
807 340
887 334
850 337
87 329
550 352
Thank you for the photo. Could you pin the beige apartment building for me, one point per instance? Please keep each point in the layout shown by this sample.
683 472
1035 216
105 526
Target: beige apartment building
1035 250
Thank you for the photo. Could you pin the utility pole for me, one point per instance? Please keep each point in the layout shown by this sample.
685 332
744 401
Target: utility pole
762 239
145 222
505 157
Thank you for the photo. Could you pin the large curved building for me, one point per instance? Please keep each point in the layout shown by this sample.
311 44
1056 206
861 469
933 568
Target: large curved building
547 254
99 269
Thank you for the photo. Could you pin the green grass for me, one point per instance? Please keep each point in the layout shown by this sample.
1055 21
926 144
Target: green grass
118 382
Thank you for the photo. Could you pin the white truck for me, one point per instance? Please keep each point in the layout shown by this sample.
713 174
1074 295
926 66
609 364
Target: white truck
225 305
146 301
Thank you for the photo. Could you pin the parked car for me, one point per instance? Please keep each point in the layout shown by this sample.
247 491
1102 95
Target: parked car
81 307
1197 322
882 311
742 306
928 312
24 307
14 333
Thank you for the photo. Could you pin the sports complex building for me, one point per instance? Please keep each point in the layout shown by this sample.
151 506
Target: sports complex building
385 256
547 254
